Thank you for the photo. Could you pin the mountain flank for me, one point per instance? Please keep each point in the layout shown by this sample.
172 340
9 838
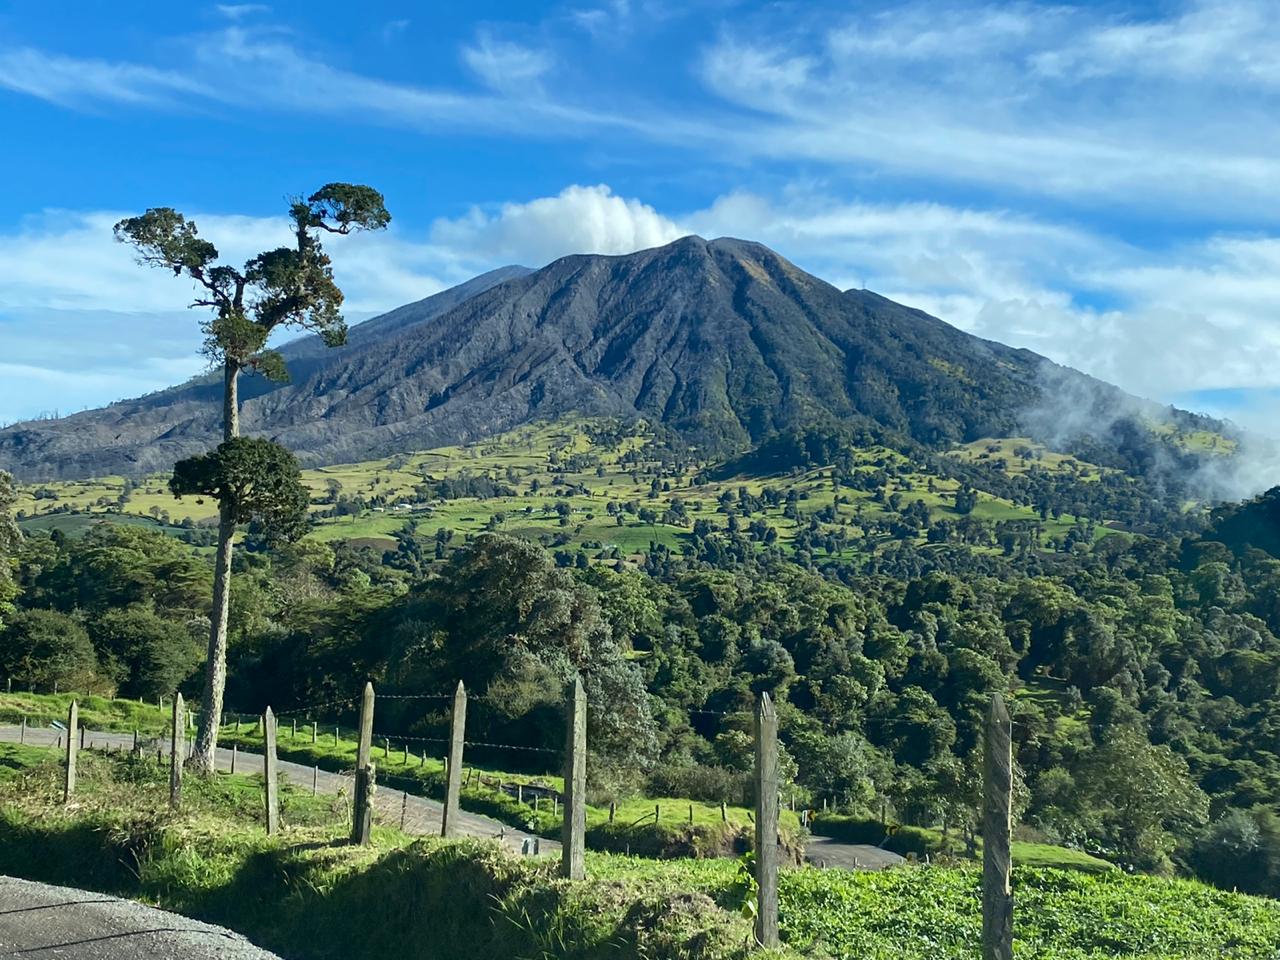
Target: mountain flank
724 342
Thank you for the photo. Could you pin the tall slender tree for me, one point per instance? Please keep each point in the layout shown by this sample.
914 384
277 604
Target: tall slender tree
287 287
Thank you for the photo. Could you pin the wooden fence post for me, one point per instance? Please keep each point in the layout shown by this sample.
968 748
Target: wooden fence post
997 825
362 807
270 774
573 854
453 769
177 747
233 758
766 822
313 731
73 720
315 779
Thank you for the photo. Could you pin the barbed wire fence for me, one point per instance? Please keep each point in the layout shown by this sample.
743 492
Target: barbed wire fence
997 899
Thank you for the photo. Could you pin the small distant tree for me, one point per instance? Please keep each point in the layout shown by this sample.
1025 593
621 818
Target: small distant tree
287 287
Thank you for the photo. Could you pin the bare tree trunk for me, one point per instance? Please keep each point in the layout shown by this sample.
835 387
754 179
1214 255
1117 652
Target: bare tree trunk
230 401
215 676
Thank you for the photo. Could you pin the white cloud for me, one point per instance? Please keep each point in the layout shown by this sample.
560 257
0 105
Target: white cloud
70 81
1199 316
82 324
506 66
262 69
239 11
578 220
1075 102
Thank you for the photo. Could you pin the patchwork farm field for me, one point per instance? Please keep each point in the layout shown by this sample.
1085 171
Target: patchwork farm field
586 485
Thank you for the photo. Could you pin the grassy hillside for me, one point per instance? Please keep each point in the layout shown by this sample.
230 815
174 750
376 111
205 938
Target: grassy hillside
574 467
307 895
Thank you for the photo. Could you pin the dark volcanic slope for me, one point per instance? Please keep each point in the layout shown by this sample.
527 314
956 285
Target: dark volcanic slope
722 340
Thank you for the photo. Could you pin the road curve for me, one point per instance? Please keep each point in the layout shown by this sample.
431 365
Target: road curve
421 816
40 921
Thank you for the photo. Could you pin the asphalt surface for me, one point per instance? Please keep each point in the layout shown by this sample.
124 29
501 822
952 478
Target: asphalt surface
827 853
420 816
40 921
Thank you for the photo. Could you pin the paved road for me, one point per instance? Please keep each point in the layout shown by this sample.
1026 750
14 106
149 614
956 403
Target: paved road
421 816
40 921
827 853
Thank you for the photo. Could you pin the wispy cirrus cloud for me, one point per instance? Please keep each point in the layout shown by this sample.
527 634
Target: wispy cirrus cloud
1172 110
240 11
1080 103
80 82
505 65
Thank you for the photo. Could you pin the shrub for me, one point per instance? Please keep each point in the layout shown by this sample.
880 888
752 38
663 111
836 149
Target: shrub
708 784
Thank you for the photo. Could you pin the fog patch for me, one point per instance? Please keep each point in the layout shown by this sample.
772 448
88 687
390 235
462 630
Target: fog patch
1076 410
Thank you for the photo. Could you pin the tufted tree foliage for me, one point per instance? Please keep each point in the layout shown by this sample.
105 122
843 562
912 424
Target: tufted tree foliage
253 478
287 287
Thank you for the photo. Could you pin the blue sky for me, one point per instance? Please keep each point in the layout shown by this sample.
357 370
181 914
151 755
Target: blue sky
1097 182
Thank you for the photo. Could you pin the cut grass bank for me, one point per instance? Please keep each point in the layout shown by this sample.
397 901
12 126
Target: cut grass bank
307 895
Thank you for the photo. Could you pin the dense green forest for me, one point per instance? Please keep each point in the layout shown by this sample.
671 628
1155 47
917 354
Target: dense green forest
1137 637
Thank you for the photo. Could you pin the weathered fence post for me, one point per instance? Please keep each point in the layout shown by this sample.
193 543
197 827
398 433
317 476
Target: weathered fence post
73 720
82 735
572 863
997 825
453 768
177 747
270 773
404 807
313 731
766 822
362 807
315 779
137 752
233 758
